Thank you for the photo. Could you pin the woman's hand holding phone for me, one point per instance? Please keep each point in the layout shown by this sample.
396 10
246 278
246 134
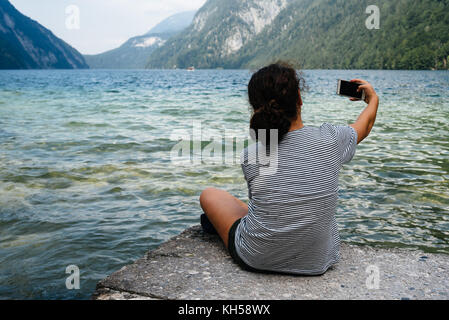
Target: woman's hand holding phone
370 93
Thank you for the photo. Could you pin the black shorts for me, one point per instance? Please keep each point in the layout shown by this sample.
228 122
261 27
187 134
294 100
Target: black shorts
233 252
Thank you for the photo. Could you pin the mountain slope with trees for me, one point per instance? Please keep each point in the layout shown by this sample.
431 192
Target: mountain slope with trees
219 29
325 34
25 44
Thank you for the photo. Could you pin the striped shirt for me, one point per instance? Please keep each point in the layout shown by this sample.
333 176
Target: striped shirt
291 225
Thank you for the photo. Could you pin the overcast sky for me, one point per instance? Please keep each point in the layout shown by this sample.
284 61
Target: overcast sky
103 24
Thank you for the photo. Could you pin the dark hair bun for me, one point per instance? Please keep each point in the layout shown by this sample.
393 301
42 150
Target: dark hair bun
270 117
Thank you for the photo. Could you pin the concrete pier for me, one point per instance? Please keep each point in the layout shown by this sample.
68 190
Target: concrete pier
195 265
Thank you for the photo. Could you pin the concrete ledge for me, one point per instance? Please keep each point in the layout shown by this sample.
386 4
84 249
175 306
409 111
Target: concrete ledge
195 265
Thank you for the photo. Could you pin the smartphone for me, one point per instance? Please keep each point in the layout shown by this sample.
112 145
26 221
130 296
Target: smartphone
349 89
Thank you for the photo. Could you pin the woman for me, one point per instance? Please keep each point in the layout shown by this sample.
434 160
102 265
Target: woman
289 224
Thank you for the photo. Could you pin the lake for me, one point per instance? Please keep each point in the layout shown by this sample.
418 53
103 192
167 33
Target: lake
87 178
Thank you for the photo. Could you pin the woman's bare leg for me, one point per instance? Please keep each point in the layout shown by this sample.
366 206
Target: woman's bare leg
223 210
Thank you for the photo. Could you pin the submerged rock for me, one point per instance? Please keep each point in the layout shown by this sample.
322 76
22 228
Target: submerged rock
195 265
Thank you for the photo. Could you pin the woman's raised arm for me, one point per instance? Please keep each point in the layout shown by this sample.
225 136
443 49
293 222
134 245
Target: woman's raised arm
367 118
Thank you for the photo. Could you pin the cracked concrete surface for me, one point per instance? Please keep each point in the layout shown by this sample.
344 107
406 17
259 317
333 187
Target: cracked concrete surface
196 266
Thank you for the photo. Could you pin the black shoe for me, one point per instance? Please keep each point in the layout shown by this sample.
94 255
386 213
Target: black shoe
207 226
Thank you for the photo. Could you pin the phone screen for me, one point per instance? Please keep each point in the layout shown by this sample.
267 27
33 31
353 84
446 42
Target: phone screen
350 89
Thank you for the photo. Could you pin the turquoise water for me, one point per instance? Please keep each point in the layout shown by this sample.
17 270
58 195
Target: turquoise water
86 176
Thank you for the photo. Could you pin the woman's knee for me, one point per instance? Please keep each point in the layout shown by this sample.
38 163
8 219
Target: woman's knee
207 196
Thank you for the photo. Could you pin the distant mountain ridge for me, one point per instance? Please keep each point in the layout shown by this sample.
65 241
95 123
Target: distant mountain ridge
25 44
134 53
315 34
175 23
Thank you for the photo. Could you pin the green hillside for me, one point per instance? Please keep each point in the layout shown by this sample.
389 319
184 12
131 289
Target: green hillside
331 34
217 29
25 44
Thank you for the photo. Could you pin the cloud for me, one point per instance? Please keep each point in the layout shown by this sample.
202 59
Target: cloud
104 24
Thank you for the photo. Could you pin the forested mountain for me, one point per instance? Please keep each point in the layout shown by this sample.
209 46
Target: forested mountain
25 44
134 53
313 34
219 29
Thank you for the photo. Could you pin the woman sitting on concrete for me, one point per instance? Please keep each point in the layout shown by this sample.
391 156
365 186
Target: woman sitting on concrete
289 224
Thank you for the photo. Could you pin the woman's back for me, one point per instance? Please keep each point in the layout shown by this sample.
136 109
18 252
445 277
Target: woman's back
290 226
289 223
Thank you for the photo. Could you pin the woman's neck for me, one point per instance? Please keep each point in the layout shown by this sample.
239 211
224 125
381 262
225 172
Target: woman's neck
296 124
